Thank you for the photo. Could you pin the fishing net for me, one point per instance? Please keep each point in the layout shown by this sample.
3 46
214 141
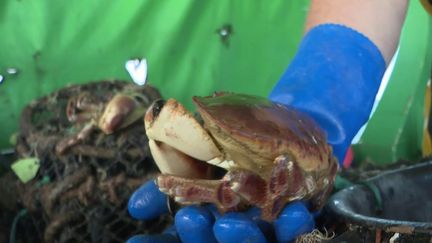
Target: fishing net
81 194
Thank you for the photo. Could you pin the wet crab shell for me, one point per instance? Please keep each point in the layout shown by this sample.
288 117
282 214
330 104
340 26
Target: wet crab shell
261 144
258 129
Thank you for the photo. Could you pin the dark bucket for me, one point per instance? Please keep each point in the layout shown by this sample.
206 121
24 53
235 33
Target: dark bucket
398 201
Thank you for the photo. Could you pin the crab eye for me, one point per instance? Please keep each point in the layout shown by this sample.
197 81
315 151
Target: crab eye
157 107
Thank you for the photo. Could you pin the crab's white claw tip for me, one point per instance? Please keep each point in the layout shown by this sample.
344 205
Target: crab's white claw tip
170 123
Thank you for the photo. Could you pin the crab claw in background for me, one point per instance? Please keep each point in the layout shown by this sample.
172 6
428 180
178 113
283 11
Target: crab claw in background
120 112
177 141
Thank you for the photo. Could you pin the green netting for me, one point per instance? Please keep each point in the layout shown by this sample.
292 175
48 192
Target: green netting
54 43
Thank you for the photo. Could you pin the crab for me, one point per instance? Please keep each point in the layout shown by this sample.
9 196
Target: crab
270 154
87 114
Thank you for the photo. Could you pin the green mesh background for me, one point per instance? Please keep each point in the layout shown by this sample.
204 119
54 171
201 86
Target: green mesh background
54 43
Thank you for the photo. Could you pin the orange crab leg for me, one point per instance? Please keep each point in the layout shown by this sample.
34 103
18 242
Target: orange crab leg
188 191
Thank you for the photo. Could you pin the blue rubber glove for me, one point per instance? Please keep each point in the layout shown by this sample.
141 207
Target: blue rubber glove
334 78
168 236
205 224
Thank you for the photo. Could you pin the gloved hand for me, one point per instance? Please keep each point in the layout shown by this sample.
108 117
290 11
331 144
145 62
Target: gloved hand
334 78
205 224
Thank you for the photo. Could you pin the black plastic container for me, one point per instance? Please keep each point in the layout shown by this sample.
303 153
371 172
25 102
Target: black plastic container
398 201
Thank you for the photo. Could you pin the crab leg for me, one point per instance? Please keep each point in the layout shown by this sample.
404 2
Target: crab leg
73 111
68 142
227 193
249 186
187 191
286 184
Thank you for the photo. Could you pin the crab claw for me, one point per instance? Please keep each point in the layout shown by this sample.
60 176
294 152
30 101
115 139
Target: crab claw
173 162
80 108
120 112
177 140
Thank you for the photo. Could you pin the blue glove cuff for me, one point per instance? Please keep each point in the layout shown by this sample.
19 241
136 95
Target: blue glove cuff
334 77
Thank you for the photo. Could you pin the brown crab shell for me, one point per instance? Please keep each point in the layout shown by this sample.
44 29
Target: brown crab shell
253 128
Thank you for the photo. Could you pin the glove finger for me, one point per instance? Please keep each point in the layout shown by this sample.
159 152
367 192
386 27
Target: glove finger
171 230
163 238
212 209
195 224
147 202
294 220
237 227
254 214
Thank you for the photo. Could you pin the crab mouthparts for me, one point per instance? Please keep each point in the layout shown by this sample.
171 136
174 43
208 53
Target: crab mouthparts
178 142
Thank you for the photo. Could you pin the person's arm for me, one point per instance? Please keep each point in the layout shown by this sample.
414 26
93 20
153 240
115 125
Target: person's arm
338 67
380 20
